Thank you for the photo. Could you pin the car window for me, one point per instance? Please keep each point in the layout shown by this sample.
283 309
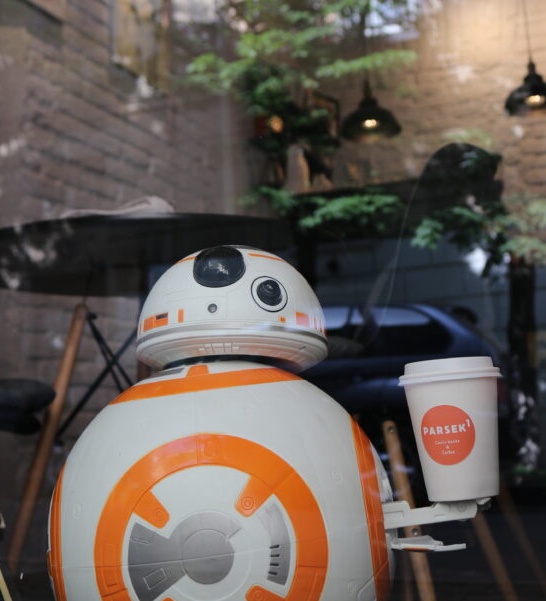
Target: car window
398 316
383 331
340 316
336 317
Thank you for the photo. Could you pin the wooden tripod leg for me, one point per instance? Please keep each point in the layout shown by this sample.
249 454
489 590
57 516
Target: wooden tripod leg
4 588
47 437
510 513
419 561
407 591
494 557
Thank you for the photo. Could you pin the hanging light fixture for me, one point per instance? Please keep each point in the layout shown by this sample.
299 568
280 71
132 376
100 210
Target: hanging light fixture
531 95
369 122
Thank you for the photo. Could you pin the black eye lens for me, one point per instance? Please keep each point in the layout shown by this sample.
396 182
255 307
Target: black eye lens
219 266
269 292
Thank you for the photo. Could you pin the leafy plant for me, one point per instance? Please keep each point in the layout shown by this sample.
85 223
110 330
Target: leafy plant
298 39
513 227
524 226
373 212
274 53
468 229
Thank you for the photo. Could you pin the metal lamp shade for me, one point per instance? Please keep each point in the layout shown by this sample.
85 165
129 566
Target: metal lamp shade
530 96
370 122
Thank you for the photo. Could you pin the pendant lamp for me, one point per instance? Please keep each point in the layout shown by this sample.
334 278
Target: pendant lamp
369 122
531 95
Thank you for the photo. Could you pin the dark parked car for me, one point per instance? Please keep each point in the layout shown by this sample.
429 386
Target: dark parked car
369 347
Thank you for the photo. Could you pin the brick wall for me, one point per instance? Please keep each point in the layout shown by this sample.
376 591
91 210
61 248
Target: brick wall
75 134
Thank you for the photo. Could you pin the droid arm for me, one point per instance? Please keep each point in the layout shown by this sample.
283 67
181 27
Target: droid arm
399 514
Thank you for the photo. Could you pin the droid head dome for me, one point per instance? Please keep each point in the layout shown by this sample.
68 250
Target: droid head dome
231 301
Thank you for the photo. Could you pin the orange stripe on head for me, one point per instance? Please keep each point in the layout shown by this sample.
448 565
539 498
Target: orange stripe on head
148 324
374 512
263 256
54 555
302 319
155 321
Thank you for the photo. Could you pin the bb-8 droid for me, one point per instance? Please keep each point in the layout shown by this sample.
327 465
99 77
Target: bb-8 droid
225 476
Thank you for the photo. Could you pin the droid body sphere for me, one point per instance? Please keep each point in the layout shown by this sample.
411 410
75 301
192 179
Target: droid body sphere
223 476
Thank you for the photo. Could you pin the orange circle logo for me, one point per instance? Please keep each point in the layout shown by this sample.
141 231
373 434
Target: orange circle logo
448 434
268 475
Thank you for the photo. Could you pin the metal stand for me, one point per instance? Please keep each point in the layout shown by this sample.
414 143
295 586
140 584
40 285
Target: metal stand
494 558
4 588
47 436
4 591
491 551
111 360
51 431
510 513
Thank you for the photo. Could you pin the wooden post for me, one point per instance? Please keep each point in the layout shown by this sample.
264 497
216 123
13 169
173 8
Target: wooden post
47 437
510 513
419 561
494 558
4 588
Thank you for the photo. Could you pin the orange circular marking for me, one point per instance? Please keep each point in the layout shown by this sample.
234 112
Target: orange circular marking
448 434
269 474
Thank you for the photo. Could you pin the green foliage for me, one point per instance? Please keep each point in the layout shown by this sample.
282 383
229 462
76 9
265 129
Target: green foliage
428 233
468 226
515 227
524 226
263 89
284 203
302 43
369 212
377 61
214 74
529 247
274 54
372 213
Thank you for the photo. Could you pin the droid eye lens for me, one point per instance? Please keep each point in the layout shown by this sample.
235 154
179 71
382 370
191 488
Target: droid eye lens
269 292
218 267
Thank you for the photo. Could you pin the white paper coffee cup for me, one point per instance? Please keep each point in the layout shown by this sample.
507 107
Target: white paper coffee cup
453 408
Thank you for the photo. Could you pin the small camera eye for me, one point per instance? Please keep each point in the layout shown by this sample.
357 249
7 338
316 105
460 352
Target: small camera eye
269 292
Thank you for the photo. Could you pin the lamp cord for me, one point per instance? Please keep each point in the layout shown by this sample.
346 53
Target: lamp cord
527 36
